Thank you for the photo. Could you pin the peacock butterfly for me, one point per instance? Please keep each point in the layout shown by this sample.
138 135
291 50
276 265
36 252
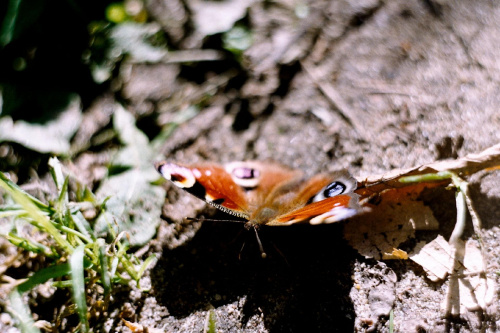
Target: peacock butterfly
266 193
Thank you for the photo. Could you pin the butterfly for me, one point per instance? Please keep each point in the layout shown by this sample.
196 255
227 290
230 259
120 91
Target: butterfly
265 193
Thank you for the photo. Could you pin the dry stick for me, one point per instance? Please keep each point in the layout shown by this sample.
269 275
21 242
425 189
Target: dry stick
468 165
453 293
184 56
352 116
477 225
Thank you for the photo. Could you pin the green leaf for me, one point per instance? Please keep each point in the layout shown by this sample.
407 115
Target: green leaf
116 13
50 137
130 191
136 152
237 40
134 205
210 18
43 275
133 39
78 283
7 32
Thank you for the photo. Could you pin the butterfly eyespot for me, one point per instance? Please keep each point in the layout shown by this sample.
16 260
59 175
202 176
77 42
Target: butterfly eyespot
177 178
179 175
244 176
245 173
333 189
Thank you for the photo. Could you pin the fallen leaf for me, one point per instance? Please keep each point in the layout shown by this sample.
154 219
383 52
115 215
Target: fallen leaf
469 288
50 137
434 257
212 17
393 218
395 208
395 254
138 328
133 39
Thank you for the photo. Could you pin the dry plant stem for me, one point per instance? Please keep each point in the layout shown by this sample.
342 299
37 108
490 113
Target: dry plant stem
464 204
477 225
461 218
488 159
452 304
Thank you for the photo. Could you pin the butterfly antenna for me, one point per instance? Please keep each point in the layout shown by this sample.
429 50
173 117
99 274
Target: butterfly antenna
261 248
241 250
201 219
281 254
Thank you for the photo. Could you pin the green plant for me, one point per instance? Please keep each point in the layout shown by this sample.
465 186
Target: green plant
80 258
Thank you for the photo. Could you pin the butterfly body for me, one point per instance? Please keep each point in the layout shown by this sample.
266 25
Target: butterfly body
267 193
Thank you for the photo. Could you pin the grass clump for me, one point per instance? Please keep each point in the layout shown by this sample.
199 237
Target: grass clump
77 256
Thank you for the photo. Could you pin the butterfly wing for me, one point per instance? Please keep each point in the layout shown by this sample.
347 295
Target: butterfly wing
260 179
322 199
329 210
267 193
209 182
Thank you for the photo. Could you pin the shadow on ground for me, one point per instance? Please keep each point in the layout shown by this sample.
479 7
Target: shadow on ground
304 282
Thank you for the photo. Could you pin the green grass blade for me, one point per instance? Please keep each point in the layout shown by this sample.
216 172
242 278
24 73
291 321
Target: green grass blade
56 172
21 312
30 245
145 265
428 177
82 224
11 210
34 212
114 266
391 321
9 23
211 322
63 194
103 267
78 282
43 276
46 209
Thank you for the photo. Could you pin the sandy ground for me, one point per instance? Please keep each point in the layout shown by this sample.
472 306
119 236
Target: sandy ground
367 86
